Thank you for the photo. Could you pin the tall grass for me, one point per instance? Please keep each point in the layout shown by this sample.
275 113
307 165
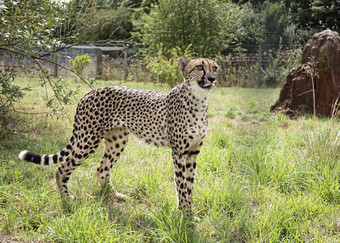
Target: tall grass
260 178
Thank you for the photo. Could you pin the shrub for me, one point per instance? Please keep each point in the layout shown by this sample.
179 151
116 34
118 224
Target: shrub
80 62
166 70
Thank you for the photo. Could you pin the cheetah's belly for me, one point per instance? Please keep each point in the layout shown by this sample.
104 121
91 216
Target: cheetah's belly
150 128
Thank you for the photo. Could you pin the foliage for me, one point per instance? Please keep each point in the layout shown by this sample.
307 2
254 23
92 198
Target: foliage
271 25
314 15
104 25
245 70
175 23
115 4
62 94
144 4
166 70
247 26
276 24
276 70
253 2
9 91
28 29
274 74
29 26
31 32
80 62
241 27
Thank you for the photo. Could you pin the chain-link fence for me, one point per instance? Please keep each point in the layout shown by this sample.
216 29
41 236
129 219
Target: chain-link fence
112 63
59 63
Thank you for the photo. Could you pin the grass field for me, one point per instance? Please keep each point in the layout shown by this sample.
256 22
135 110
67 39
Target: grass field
261 177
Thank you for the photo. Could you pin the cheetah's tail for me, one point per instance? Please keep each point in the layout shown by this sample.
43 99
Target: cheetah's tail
45 159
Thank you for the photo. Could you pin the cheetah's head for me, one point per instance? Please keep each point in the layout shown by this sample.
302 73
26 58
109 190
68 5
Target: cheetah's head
199 75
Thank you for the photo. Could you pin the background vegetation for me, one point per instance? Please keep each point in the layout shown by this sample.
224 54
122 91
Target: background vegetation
155 29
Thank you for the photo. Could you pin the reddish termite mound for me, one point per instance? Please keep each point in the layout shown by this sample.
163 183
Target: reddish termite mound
314 85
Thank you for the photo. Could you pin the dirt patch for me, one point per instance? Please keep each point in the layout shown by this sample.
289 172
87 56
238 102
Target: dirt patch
314 85
11 239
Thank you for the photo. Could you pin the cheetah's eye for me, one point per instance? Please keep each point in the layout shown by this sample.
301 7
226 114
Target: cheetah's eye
199 67
214 68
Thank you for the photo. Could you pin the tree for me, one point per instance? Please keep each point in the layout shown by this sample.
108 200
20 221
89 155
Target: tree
327 12
277 26
241 27
312 16
177 23
28 27
255 2
246 27
105 25
31 31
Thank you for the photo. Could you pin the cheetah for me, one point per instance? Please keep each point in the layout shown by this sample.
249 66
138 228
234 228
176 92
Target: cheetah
177 119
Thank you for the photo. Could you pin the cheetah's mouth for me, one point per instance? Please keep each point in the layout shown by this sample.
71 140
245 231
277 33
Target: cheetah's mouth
201 84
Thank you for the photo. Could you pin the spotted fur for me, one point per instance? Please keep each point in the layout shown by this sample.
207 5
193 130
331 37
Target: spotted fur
177 119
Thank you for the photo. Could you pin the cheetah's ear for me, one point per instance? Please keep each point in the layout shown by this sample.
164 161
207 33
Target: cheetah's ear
215 59
183 61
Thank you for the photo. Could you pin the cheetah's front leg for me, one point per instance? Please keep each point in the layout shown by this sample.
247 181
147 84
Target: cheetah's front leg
179 160
190 171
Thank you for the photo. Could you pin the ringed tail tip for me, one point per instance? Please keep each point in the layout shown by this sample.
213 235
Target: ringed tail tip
22 154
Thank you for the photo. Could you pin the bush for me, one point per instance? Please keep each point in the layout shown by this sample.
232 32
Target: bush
275 72
166 70
80 62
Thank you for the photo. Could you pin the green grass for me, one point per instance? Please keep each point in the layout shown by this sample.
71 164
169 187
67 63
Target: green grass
261 177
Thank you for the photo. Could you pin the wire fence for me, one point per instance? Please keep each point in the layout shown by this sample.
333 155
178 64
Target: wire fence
113 63
59 63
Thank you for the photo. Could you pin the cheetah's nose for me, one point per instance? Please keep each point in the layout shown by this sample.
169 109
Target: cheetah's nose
211 78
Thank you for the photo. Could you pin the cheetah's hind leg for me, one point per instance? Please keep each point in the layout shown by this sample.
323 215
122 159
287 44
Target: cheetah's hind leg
77 155
115 142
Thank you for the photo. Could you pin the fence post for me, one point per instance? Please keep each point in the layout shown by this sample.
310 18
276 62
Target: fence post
259 73
125 63
55 65
99 65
